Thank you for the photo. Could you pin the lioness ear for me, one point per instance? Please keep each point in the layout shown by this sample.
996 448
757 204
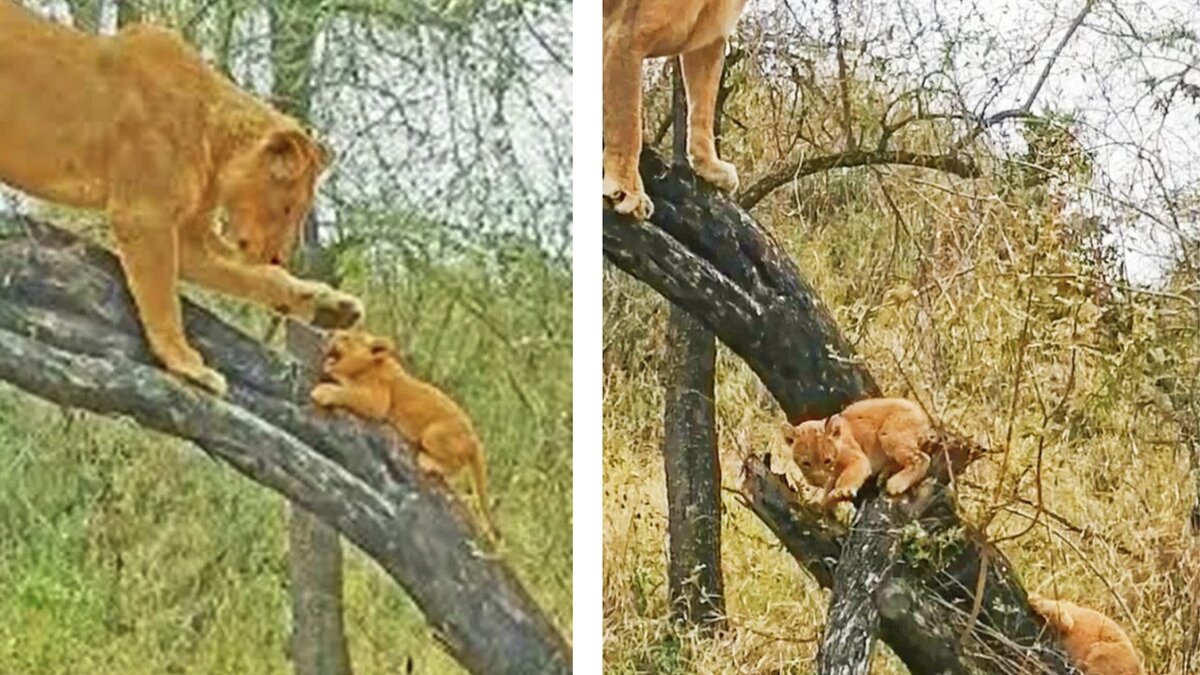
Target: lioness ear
323 154
381 347
286 158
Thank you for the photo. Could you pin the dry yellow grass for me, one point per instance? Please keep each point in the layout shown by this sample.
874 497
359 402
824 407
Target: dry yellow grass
983 308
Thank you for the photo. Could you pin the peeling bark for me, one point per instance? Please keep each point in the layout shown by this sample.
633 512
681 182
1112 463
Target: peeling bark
708 256
68 334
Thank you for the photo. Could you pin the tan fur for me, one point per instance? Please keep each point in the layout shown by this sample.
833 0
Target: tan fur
138 126
878 435
638 29
369 381
1096 644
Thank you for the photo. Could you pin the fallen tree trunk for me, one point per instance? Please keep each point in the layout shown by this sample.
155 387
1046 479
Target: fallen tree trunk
706 255
68 334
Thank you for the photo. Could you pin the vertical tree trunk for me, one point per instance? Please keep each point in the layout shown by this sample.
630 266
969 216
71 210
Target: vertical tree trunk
128 11
318 645
86 14
695 583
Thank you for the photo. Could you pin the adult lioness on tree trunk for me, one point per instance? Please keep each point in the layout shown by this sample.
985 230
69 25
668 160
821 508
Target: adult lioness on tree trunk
139 126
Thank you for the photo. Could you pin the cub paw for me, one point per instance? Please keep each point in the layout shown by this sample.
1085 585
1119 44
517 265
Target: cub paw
720 173
324 395
629 201
838 495
898 484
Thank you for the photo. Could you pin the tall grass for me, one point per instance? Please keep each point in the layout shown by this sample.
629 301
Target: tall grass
979 301
125 551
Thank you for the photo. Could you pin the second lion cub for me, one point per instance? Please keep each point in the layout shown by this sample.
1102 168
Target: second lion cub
840 452
1096 643
369 381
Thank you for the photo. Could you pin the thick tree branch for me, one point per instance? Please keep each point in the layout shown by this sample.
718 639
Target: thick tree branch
68 334
708 256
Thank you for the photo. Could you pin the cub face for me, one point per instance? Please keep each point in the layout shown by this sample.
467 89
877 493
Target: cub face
351 353
268 192
812 450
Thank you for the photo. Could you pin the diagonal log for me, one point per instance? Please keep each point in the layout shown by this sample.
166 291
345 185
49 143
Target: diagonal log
708 256
68 334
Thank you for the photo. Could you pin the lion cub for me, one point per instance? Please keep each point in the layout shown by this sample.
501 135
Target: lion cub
1095 643
840 452
638 29
369 381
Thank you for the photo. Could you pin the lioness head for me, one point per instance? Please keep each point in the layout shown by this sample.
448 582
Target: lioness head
351 353
812 450
267 193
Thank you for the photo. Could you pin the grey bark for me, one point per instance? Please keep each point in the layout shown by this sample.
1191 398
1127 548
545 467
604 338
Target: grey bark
695 584
708 256
68 333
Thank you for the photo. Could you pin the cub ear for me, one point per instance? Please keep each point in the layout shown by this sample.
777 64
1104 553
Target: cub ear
833 425
381 347
285 154
788 431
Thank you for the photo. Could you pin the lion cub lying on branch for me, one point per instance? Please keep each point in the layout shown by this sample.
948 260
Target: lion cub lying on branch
369 381
878 435
138 126
1096 644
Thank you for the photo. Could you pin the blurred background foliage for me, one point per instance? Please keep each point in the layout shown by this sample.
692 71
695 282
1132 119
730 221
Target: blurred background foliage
998 201
448 211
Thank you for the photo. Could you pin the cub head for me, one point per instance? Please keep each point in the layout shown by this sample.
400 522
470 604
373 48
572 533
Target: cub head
811 450
267 192
351 353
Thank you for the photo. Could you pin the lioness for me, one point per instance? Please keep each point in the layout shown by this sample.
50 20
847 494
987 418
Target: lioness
638 29
369 381
876 435
137 125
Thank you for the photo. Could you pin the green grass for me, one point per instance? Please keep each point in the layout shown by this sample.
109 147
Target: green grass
126 551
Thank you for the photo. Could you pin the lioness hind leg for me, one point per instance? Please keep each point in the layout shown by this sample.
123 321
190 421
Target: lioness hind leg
623 131
702 78
149 256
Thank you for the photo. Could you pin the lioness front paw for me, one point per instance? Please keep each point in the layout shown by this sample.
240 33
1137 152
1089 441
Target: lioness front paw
721 174
324 395
335 309
628 200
